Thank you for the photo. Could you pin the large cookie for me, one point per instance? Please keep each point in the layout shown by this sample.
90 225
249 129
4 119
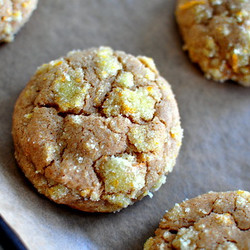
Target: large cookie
210 221
97 130
13 15
217 36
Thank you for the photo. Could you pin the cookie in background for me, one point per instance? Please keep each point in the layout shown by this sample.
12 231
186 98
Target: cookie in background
216 35
13 15
209 221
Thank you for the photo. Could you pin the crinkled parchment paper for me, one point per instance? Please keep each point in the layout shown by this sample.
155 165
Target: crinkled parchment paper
216 118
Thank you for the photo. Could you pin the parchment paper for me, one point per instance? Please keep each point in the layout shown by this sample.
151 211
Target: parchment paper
216 118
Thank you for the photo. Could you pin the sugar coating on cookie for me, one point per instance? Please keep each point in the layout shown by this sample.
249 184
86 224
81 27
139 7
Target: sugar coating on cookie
13 15
97 130
216 34
210 221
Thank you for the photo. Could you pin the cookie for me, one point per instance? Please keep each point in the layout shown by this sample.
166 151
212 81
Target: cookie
209 221
13 15
97 130
216 34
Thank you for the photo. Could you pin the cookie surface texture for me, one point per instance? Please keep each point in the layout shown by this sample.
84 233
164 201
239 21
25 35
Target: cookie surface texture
216 34
209 221
13 15
97 130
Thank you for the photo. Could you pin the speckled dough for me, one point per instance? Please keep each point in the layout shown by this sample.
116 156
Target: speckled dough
13 15
217 36
211 221
97 130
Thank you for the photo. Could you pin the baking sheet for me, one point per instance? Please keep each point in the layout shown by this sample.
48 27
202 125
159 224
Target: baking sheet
216 118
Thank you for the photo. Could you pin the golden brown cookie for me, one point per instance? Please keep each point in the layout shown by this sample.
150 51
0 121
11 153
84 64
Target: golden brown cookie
210 221
217 37
13 15
97 130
